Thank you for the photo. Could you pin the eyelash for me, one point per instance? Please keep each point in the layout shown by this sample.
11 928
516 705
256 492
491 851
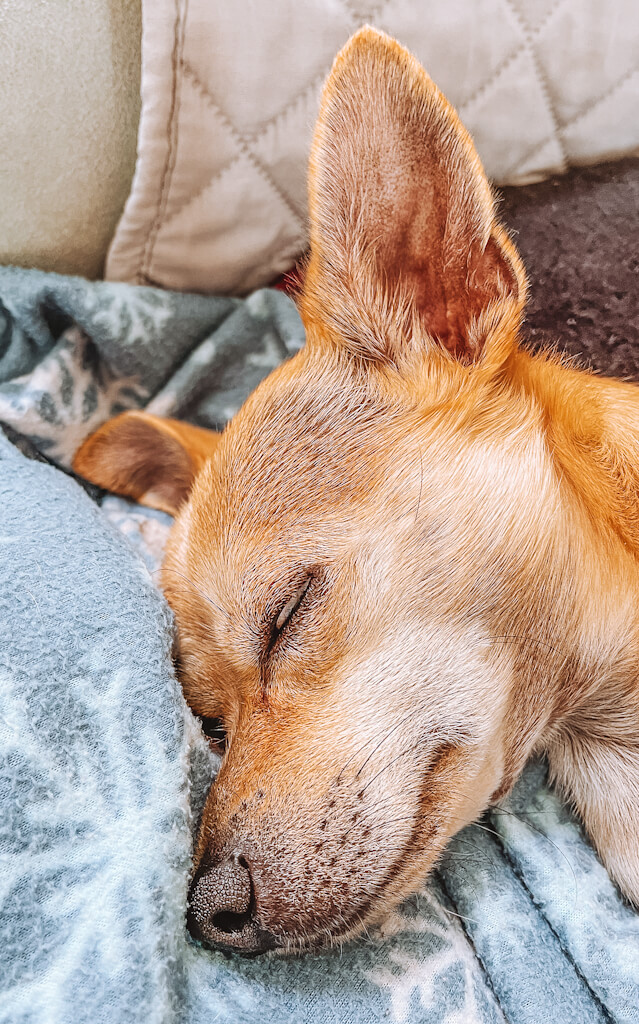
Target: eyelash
295 601
213 729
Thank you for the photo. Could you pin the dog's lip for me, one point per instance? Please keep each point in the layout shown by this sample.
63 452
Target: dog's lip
246 954
283 944
318 943
325 939
350 929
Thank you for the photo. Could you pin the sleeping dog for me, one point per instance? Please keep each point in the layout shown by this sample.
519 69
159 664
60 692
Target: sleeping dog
410 561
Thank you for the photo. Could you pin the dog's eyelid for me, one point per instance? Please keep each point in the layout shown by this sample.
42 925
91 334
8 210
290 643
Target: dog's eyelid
291 605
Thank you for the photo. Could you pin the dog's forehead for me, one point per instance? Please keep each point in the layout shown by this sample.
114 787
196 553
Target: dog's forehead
308 441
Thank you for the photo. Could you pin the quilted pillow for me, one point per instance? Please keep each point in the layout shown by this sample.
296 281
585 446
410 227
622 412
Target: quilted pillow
230 94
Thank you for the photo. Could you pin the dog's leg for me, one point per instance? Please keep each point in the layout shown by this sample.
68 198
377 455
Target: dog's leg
601 778
152 460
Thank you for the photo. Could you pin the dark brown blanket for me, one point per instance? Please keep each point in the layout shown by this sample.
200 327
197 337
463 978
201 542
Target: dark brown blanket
579 238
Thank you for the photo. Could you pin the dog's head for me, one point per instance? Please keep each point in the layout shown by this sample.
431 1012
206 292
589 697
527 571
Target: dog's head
351 556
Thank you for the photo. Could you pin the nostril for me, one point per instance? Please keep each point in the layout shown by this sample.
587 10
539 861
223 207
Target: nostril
234 920
227 921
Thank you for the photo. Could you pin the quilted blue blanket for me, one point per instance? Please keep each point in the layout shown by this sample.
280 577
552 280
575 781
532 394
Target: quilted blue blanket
103 768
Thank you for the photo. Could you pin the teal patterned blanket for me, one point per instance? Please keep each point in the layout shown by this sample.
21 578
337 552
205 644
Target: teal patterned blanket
103 768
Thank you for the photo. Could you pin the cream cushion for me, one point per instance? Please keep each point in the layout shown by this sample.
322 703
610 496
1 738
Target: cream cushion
69 113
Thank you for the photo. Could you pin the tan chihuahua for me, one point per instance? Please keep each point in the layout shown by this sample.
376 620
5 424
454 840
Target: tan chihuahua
410 561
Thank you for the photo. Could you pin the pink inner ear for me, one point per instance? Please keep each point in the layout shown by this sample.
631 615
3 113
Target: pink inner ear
449 305
422 213
410 243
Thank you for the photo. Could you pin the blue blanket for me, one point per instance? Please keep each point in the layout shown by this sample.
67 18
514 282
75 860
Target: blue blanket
103 769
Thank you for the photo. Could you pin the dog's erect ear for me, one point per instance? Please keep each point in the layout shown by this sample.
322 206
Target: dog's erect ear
152 460
403 230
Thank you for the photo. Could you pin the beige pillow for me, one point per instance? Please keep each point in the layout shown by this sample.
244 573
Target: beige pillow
230 94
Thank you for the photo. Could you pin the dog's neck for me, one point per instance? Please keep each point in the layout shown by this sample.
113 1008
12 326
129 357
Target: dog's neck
589 653
592 427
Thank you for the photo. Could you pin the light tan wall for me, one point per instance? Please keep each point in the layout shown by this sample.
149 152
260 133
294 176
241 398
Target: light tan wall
69 112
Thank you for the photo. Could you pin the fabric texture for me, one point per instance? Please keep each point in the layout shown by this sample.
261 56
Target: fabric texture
69 113
575 237
94 748
102 767
230 95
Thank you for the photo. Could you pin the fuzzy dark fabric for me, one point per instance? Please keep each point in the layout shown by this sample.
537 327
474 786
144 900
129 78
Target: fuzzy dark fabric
578 236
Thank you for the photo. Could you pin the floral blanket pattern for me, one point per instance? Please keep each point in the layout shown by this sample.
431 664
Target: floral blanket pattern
103 768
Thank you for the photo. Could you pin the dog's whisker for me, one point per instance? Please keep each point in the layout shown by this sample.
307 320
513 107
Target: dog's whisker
492 831
462 858
540 832
389 764
421 483
517 638
497 809
462 917
371 740
407 718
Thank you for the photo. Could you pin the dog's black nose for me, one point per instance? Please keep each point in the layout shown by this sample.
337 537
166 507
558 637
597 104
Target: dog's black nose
222 908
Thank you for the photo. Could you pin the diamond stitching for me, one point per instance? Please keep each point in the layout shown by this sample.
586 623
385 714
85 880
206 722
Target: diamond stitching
179 34
481 90
246 151
542 81
590 106
377 11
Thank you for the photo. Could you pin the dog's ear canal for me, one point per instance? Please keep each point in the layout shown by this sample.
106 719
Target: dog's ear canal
147 458
403 229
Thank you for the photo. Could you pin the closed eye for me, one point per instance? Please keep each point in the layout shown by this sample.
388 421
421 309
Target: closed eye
291 605
287 611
